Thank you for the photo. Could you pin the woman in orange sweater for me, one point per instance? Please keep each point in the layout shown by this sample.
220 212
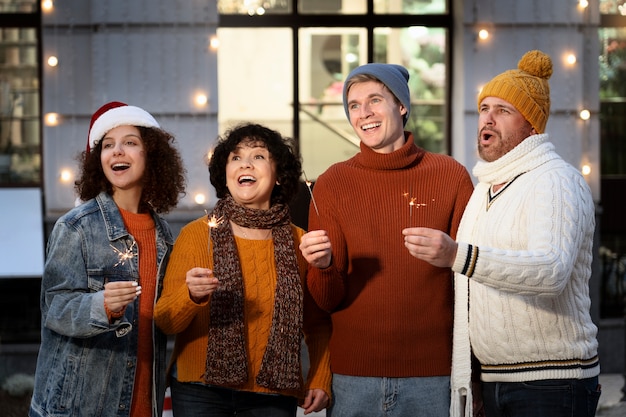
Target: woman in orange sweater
235 294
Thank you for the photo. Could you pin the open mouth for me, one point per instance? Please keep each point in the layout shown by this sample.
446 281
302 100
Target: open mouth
370 126
246 179
486 135
120 167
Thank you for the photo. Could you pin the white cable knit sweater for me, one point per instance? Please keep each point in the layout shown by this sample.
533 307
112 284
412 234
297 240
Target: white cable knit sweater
528 257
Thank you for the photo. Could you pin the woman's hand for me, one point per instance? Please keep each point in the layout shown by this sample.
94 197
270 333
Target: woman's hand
316 249
118 294
201 283
315 400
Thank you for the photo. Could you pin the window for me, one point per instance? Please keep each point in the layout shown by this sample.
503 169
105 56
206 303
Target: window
287 61
612 34
20 149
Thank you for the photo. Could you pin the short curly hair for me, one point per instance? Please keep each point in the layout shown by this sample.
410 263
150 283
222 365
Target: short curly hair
164 179
282 150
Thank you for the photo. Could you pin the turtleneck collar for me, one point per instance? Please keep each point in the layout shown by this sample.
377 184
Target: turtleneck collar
407 155
529 154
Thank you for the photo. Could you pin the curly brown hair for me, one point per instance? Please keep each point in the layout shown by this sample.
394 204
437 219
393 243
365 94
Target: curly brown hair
282 150
164 179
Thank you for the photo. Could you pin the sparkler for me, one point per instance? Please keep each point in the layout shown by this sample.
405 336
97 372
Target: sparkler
213 222
308 185
124 256
412 203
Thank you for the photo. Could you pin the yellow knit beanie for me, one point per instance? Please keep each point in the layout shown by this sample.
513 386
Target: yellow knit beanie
526 88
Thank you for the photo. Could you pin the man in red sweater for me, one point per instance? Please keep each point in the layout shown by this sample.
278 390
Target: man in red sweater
391 313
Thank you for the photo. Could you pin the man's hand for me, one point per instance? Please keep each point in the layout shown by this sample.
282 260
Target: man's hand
430 245
316 249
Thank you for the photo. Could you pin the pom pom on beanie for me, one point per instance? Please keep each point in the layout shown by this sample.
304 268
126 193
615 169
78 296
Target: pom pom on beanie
114 114
526 88
394 77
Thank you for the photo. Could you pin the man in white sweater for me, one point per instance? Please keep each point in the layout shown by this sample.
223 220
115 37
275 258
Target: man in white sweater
523 260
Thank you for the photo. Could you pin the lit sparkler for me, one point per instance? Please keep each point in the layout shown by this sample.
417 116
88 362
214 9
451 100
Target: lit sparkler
308 185
213 222
124 256
412 203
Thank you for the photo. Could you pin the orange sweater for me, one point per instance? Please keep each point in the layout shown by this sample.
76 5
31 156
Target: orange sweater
141 227
176 313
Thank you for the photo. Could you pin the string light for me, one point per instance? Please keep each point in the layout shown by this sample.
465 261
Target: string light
585 114
52 61
199 198
570 59
52 119
47 5
586 169
66 176
214 43
483 34
200 99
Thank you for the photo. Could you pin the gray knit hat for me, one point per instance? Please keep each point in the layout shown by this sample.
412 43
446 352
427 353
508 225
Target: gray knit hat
395 77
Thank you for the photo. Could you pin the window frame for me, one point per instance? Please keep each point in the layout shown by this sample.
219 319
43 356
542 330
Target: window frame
30 20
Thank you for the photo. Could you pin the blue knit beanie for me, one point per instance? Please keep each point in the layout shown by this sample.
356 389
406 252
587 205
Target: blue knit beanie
395 77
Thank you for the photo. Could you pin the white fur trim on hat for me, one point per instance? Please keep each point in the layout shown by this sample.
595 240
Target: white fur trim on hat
119 116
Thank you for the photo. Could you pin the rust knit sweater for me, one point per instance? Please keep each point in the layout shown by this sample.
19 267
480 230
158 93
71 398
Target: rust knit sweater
141 227
391 313
176 313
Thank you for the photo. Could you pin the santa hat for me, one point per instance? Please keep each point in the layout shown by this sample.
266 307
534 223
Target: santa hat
116 114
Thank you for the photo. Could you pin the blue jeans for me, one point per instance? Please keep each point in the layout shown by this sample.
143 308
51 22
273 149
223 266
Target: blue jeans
390 397
195 400
546 398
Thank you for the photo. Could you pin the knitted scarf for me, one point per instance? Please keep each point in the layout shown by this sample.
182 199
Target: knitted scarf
226 352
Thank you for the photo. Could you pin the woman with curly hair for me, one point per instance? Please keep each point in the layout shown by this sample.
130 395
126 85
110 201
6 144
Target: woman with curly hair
235 295
100 353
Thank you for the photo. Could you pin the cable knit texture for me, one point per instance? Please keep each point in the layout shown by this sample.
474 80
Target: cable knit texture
391 313
142 228
177 314
530 261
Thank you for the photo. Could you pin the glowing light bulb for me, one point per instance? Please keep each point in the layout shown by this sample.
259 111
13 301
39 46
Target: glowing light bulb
214 43
65 176
483 34
570 59
585 114
201 100
199 198
586 169
47 5
52 119
53 61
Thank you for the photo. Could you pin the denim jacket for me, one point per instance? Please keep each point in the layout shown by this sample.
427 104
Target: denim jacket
86 366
